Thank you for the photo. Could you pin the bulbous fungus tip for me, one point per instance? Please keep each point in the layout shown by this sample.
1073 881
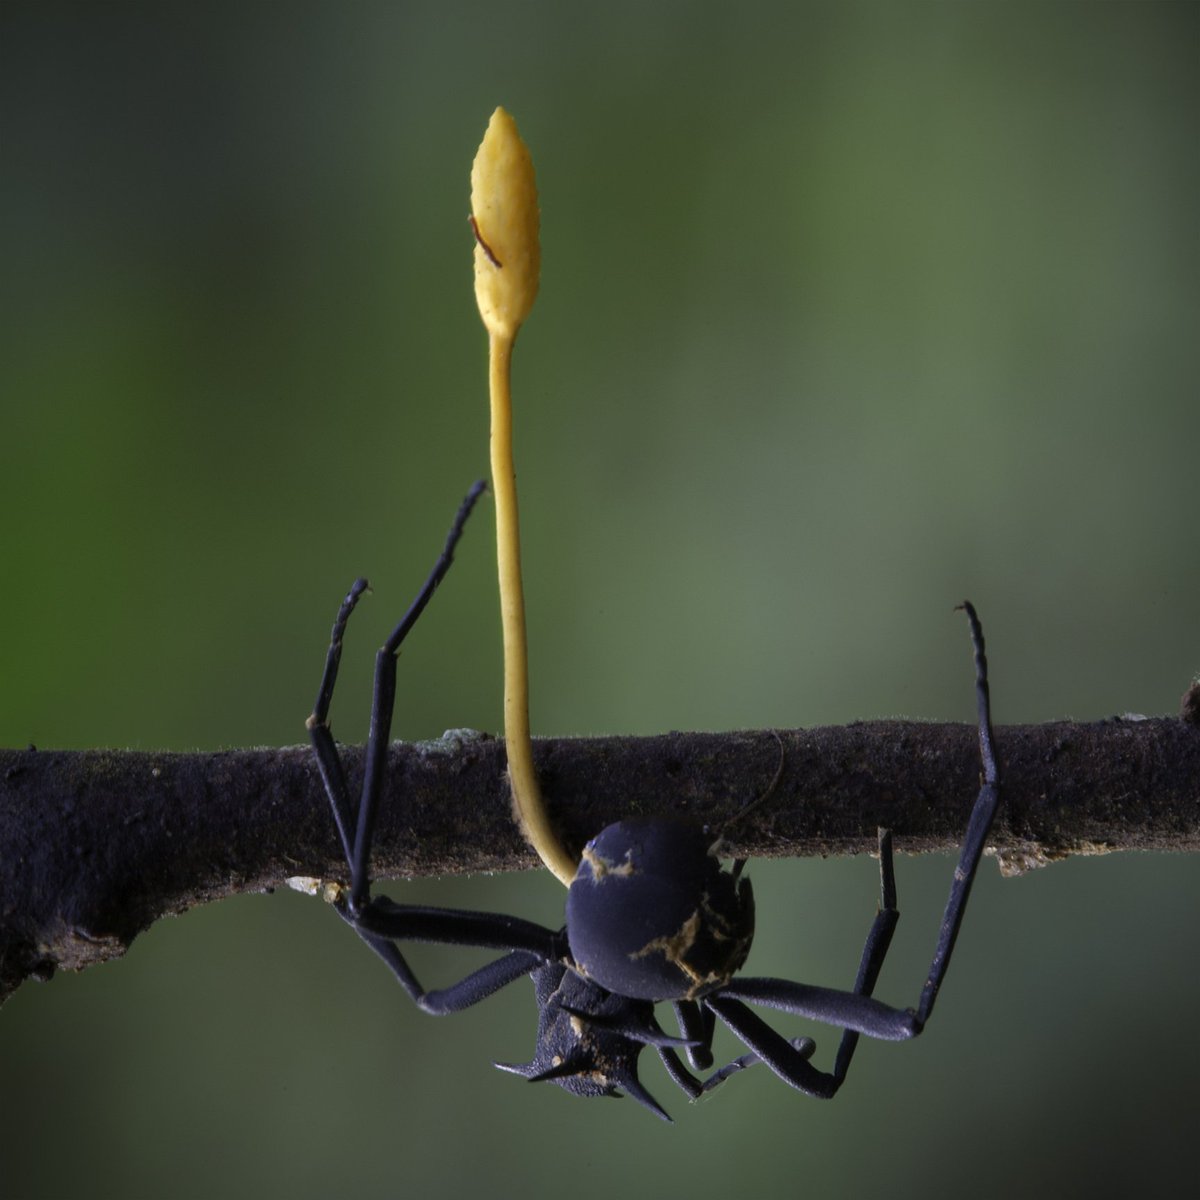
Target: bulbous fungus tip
505 220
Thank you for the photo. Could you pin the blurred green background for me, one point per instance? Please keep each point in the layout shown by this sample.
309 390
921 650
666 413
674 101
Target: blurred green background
847 312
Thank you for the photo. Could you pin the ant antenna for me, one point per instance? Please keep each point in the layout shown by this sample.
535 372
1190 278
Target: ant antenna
739 863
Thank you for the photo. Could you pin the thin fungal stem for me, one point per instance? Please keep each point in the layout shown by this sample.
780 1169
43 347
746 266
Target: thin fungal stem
530 809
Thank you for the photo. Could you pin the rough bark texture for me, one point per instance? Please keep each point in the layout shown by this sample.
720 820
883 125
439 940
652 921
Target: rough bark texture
96 845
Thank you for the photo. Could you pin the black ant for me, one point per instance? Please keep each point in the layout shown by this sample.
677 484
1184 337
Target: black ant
652 916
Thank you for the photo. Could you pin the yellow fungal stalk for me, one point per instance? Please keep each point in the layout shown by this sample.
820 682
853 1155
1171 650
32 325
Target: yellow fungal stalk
504 215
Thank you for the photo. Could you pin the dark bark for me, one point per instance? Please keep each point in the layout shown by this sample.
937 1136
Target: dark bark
96 845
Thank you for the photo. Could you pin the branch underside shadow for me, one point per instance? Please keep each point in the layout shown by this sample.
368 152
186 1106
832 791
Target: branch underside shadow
96 845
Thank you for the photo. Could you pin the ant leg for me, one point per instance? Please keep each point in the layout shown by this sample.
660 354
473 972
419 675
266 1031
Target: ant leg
695 1088
696 1024
383 701
788 1059
978 828
776 1052
857 1011
477 986
686 1081
879 939
377 922
381 922
328 760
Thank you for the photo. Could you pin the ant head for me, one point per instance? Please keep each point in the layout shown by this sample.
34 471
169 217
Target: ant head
651 915
588 1039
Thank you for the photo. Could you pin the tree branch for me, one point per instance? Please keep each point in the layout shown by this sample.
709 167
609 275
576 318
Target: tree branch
96 845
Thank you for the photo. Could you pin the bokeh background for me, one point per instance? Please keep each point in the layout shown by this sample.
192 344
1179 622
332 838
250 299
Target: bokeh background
848 311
